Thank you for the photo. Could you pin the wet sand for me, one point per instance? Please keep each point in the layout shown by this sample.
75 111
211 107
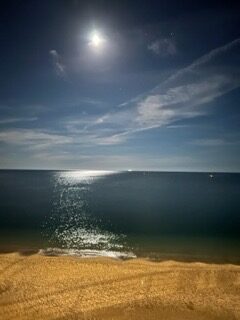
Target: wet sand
40 287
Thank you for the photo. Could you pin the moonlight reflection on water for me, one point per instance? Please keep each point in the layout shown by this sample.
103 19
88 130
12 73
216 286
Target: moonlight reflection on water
71 224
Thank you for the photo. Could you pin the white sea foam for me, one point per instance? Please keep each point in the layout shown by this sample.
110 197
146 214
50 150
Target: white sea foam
86 253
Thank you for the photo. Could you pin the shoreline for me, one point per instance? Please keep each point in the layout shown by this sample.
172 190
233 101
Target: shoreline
122 255
36 286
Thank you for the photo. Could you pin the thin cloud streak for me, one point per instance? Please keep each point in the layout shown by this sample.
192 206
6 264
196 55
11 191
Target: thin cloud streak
33 138
58 65
14 120
163 47
214 142
181 96
205 59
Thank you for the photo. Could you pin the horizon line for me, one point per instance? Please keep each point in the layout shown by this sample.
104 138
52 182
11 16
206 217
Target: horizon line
122 170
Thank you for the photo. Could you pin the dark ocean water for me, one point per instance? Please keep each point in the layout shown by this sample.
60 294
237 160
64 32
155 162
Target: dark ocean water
161 215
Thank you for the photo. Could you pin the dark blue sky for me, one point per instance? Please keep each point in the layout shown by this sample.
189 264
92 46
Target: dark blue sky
159 90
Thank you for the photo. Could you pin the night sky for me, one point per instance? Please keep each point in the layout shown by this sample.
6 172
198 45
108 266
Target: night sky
115 85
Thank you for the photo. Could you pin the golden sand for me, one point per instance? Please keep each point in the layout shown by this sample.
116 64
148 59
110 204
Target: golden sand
39 287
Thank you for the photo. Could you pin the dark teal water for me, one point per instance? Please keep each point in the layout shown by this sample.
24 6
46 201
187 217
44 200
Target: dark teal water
161 215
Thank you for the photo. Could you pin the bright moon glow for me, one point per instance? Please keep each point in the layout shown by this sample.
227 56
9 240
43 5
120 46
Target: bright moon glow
96 39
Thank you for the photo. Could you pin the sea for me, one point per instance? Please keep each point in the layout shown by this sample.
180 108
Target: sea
121 214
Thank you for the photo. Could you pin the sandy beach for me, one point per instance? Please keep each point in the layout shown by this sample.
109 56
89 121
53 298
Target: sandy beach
41 287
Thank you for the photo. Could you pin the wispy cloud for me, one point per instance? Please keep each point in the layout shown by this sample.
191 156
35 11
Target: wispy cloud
58 65
208 57
182 101
111 162
214 142
32 138
186 94
209 142
14 120
163 47
183 95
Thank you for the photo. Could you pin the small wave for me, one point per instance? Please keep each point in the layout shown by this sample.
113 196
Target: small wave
87 253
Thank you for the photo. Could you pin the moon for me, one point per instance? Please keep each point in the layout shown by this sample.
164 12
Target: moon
96 40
